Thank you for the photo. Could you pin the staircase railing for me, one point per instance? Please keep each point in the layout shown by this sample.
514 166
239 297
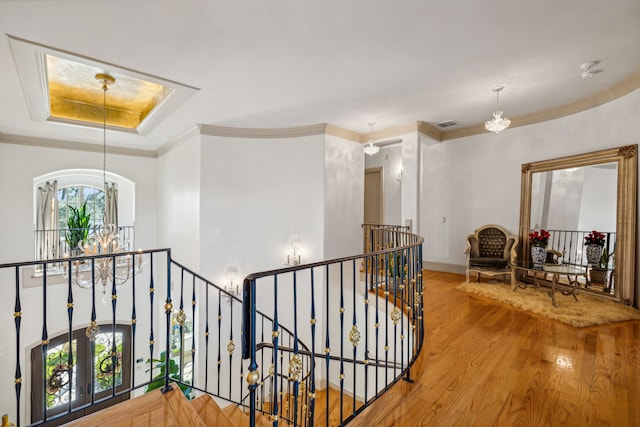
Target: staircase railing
361 317
343 329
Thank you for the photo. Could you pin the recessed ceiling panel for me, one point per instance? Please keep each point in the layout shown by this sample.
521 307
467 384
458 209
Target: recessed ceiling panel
76 95
60 86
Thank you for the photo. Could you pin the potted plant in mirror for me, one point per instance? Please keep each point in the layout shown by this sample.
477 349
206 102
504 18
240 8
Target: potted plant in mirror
594 242
598 273
77 228
538 242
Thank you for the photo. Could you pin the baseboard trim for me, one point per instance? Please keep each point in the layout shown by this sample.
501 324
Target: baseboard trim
444 267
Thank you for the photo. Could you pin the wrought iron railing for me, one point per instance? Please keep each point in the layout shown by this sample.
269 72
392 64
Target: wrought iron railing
347 325
362 340
370 239
571 245
53 244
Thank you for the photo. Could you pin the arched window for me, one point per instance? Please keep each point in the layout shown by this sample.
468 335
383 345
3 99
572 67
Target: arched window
58 194
74 196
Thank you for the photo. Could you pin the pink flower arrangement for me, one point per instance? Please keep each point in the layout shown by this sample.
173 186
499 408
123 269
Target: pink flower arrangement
594 238
539 239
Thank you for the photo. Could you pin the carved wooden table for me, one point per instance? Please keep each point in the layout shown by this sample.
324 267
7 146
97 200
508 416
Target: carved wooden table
555 270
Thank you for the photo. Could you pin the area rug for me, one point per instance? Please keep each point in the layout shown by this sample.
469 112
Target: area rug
588 311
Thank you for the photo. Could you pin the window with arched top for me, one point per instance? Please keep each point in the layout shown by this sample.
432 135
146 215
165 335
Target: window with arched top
69 204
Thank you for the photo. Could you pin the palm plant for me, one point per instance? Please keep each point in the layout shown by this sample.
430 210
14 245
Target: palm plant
78 226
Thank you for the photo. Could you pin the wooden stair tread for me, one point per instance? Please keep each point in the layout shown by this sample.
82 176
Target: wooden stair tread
210 412
151 409
240 419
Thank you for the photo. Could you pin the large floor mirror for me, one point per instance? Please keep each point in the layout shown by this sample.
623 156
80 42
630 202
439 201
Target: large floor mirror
571 197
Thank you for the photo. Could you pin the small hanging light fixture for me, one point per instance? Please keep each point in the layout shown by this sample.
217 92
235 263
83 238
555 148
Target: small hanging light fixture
370 148
498 123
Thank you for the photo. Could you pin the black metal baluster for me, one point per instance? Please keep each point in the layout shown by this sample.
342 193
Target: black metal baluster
275 342
386 312
219 336
45 341
296 384
206 338
312 385
70 334
152 290
91 333
134 319
327 344
262 339
230 346
341 310
17 318
193 330
167 309
354 334
249 343
366 341
181 327
114 354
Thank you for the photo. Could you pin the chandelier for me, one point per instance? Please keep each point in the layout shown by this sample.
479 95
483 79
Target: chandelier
498 123
110 270
369 148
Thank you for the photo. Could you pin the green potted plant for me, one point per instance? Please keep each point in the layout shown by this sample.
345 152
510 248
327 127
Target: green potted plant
599 272
77 228
174 373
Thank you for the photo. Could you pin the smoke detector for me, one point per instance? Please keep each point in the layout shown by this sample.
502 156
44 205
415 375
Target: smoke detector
588 70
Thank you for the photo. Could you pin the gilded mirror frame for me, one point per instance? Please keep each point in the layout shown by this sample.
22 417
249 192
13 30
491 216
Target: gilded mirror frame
626 158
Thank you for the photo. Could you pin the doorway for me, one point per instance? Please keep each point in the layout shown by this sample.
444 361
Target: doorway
71 365
373 196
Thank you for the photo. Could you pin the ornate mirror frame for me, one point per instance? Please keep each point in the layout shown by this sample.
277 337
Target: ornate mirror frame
626 158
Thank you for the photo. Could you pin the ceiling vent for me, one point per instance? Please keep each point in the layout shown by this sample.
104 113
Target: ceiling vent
447 124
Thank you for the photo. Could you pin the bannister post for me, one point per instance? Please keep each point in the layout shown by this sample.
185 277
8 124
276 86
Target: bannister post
249 343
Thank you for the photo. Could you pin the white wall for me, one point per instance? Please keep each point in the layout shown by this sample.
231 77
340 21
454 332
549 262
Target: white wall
343 204
476 180
257 198
179 202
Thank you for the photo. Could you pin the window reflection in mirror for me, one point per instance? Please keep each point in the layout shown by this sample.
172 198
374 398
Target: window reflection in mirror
580 198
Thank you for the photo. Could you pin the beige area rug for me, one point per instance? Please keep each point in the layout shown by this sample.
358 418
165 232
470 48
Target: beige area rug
587 311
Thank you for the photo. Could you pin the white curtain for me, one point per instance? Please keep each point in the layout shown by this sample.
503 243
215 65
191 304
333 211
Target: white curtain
47 232
111 204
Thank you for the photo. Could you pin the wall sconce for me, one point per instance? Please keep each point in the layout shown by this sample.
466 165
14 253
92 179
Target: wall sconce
293 257
232 288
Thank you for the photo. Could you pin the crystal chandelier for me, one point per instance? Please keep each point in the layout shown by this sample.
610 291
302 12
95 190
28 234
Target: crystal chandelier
369 148
498 123
105 240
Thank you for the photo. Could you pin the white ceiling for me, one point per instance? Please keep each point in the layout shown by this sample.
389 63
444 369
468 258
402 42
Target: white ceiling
287 63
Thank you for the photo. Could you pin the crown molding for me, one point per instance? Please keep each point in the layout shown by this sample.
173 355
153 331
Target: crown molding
231 132
347 134
193 131
76 146
430 130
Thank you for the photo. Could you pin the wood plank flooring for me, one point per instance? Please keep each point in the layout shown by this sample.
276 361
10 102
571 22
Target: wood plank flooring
487 364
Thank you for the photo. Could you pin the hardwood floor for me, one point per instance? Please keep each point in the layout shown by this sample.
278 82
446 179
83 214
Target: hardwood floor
487 364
